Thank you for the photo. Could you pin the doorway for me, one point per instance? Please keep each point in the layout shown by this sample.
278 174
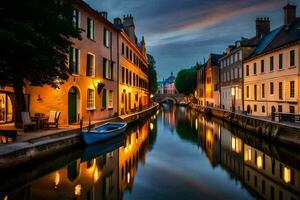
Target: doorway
73 100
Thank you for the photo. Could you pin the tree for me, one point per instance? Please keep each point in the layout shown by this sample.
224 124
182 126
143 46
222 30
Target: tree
186 80
152 74
35 40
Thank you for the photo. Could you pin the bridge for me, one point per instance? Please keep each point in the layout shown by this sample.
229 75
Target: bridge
175 98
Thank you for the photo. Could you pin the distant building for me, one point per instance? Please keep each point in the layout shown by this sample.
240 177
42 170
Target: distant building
272 71
167 86
208 82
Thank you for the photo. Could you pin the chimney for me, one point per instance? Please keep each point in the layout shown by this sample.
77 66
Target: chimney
103 14
117 21
129 27
262 26
289 13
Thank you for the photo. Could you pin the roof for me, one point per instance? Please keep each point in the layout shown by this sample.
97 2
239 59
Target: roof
279 37
215 59
96 13
169 80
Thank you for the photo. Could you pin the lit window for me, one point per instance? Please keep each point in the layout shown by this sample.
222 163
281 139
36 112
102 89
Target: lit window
286 175
90 99
110 99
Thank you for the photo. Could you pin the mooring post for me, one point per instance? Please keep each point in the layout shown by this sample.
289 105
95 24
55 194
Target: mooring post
89 128
81 125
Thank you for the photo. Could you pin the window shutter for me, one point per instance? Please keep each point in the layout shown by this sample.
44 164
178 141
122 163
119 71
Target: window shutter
88 27
104 67
112 70
76 63
71 62
104 98
88 65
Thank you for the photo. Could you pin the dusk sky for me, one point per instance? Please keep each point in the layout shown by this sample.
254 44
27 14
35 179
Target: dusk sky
179 33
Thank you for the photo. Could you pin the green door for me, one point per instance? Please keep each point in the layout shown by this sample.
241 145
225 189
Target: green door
72 106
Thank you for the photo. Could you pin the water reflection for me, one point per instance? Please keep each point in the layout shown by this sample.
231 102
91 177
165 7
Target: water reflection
201 158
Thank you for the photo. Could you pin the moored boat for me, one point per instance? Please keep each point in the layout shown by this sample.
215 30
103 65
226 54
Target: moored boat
103 132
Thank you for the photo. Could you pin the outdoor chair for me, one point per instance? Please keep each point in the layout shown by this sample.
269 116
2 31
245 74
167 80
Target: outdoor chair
53 119
27 122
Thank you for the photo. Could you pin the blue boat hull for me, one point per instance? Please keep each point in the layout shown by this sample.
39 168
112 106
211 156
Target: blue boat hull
103 133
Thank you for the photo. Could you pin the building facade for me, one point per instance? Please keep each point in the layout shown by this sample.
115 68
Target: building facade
231 75
208 82
91 91
133 68
272 71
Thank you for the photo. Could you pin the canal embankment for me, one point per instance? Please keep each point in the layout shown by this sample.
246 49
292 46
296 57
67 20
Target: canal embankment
39 145
288 134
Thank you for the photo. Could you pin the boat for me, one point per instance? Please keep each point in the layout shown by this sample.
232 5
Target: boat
104 132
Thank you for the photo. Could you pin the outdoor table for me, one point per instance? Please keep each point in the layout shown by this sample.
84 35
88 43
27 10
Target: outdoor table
40 121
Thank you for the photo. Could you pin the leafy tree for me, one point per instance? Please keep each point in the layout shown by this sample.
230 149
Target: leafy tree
35 40
186 80
152 74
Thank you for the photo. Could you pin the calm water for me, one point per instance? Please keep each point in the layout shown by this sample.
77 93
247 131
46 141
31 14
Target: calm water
175 154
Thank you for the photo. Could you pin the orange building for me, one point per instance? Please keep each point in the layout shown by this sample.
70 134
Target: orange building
91 91
133 78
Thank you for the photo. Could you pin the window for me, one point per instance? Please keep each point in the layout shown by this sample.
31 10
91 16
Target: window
127 52
247 91
292 109
104 94
127 76
110 99
130 55
271 63
255 108
90 99
74 60
123 74
292 58
123 49
254 68
262 66
255 92
247 70
76 18
90 65
271 88
108 69
280 90
106 37
279 108
90 29
292 89
263 90
280 61
263 109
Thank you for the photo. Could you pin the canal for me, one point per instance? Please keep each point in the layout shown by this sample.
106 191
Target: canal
174 154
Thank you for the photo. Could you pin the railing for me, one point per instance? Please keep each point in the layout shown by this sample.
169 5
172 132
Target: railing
289 117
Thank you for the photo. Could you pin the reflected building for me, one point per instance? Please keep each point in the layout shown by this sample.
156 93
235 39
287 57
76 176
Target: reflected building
135 149
93 179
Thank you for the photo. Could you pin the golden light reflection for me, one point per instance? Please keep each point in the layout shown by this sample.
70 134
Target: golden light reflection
78 189
286 175
5 198
196 124
233 143
96 175
259 162
128 177
151 126
56 180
